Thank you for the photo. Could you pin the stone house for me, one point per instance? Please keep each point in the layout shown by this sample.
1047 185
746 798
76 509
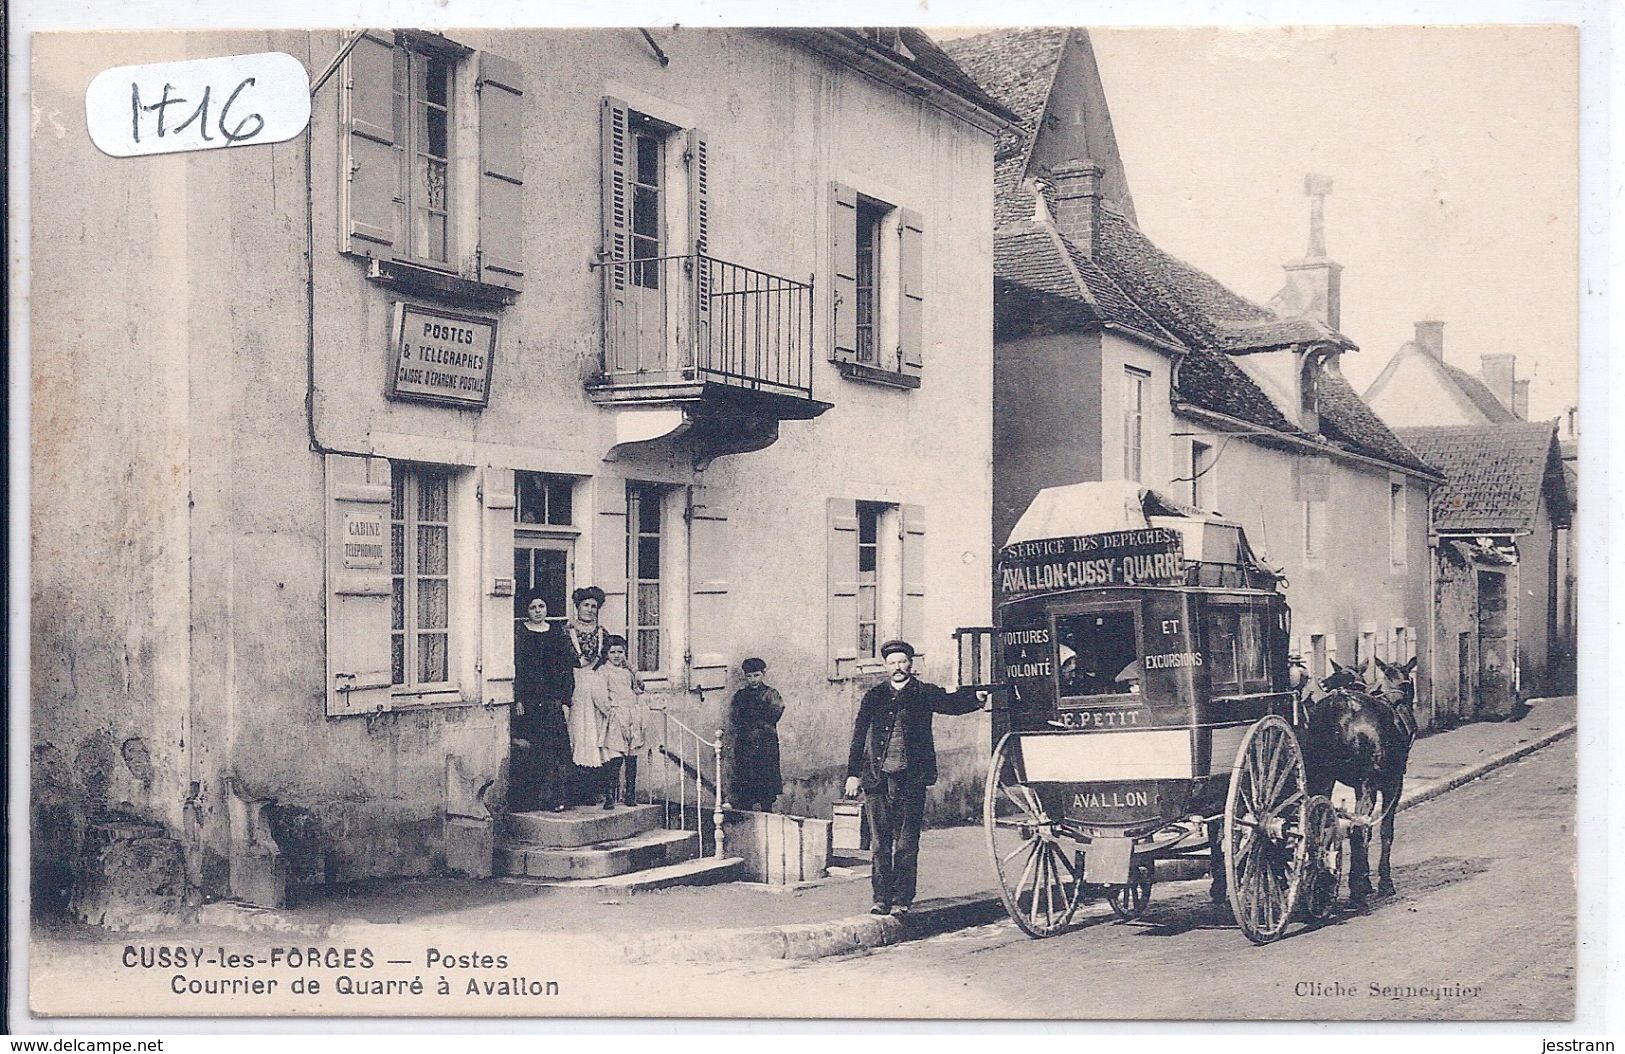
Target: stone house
1114 360
543 308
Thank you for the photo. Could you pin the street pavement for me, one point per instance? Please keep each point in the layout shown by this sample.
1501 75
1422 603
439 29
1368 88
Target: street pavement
630 938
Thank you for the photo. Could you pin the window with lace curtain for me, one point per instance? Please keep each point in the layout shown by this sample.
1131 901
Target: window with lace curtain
420 568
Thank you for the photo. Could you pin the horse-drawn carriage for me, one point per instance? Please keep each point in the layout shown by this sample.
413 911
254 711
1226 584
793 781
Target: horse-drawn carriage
1146 713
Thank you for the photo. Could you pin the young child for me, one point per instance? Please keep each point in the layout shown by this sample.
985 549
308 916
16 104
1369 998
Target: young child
623 741
753 722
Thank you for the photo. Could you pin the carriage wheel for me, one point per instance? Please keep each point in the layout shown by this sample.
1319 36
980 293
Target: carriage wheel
1265 849
1325 851
1040 881
1129 902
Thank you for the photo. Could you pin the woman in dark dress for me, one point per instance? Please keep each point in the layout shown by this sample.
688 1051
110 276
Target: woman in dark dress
753 721
543 682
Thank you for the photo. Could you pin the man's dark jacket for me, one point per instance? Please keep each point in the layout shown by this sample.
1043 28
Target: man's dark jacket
915 705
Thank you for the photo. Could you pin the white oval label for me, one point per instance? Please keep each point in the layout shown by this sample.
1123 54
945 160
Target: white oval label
198 104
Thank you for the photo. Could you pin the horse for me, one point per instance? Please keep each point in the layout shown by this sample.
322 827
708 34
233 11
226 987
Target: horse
1352 733
1359 733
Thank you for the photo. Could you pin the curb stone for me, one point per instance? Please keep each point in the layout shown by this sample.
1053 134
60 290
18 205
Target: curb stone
1473 772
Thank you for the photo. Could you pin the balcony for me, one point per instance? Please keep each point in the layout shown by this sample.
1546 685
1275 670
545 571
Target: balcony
728 347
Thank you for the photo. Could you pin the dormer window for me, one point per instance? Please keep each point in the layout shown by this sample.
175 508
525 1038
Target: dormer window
888 37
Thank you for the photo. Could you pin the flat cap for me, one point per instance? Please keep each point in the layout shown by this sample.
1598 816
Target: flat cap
897 645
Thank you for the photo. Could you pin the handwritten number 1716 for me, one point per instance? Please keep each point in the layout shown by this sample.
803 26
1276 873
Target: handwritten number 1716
235 134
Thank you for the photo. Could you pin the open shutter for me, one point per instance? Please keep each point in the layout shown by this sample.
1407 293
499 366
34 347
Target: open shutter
842 561
911 286
496 585
710 567
358 585
370 213
616 248
609 552
502 172
843 241
913 621
699 220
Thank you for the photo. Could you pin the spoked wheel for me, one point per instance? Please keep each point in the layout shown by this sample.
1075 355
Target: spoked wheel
1266 854
1325 851
1129 902
1040 880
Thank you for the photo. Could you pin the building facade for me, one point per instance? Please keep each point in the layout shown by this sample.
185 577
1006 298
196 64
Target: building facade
521 311
1116 361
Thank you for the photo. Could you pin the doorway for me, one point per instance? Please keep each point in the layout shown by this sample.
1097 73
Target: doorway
1494 651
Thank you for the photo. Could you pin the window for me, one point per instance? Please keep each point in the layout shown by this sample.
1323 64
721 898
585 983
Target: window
877 300
432 136
1314 530
543 500
876 554
1402 644
1133 420
644 178
869 515
1236 649
423 128
870 219
1319 666
1365 647
645 521
1309 395
1097 653
1201 475
1396 523
420 568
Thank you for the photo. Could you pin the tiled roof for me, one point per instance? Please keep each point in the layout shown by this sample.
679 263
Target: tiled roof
1479 393
1494 474
1348 421
1017 67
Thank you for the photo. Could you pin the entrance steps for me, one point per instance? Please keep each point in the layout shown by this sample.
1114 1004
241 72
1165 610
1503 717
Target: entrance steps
625 848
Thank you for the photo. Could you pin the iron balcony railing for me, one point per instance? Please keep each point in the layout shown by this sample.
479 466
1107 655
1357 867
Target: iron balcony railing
671 319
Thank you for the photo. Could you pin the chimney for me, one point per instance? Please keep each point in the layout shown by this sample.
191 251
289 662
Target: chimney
1077 202
1430 338
1520 400
1498 372
1314 284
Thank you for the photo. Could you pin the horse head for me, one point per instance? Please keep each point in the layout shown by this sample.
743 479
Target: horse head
1341 677
1394 683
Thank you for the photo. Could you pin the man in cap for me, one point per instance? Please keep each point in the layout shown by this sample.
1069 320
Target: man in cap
894 760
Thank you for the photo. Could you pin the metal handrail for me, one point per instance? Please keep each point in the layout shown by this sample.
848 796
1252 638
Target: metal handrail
689 760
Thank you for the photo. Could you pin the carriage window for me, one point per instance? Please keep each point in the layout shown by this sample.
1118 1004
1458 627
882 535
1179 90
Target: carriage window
1098 653
1235 650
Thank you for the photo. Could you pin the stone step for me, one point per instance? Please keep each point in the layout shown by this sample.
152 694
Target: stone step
698 872
601 860
583 825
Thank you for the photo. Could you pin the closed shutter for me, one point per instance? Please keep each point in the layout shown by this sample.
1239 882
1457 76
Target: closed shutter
842 561
609 552
502 172
358 585
1411 644
616 248
913 621
843 241
496 585
709 572
911 286
699 220
370 212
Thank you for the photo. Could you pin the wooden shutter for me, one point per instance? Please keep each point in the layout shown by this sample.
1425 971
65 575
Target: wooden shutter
609 552
497 585
502 171
842 561
370 206
913 620
843 241
710 568
616 248
911 287
699 221
358 585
